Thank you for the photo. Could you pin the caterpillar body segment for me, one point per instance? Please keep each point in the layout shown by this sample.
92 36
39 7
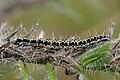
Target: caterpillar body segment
61 43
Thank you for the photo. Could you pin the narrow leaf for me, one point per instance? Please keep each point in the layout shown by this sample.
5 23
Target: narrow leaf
51 72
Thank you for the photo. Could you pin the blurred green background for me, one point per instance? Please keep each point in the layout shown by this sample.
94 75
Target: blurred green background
63 18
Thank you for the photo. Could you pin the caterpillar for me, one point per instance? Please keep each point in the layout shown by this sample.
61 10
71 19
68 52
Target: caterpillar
65 46
61 43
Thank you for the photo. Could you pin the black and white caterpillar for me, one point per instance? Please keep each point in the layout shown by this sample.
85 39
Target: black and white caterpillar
61 43
66 46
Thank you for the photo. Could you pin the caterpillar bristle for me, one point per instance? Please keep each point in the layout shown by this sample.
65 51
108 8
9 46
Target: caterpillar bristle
63 42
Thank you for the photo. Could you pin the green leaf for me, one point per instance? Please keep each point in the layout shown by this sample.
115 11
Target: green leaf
112 75
94 58
24 71
51 72
100 49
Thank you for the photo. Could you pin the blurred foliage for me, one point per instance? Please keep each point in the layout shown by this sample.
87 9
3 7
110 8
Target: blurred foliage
24 71
95 55
66 18
51 72
96 60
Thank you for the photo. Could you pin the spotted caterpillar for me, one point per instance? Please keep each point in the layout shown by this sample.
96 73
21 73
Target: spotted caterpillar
61 43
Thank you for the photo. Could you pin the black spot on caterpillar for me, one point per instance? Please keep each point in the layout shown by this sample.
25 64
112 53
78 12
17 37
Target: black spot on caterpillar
63 42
